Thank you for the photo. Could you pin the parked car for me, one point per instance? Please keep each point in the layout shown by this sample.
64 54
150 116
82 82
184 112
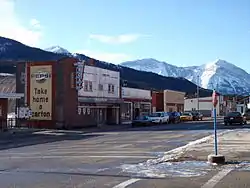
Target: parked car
186 116
159 117
197 116
174 117
234 118
247 115
142 121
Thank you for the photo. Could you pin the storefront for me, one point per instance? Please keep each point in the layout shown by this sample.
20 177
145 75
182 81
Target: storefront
69 93
97 111
137 102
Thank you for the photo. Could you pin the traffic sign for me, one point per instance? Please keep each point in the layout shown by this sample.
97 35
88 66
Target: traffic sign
214 98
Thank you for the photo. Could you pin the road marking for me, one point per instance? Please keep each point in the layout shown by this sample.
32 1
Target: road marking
216 179
126 183
123 146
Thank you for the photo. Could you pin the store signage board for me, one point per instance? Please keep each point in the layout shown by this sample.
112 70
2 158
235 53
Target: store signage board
79 70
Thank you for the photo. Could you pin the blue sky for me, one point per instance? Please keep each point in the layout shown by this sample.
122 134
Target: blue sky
180 32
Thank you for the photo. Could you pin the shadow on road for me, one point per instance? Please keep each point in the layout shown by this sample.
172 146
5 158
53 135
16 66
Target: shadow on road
15 140
186 127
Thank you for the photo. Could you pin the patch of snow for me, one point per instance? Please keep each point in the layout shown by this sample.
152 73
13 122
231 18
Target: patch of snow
172 169
210 70
169 164
57 49
6 74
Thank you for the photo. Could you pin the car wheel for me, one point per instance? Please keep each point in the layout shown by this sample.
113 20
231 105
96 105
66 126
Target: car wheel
160 122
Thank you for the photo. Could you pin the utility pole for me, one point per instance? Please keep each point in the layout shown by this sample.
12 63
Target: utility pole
198 105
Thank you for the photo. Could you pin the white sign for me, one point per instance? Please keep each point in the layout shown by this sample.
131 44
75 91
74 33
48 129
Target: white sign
41 76
79 111
24 112
79 74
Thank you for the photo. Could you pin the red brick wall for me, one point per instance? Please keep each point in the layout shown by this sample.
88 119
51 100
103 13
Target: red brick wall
158 100
3 113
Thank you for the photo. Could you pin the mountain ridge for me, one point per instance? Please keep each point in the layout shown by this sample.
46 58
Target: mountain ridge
221 75
13 52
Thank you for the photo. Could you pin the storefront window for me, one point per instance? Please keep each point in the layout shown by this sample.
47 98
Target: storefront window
145 108
126 112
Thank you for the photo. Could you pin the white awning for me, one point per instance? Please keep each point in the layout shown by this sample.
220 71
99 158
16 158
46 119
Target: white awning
11 95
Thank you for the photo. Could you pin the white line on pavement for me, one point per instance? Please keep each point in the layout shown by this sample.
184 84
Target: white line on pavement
126 183
216 179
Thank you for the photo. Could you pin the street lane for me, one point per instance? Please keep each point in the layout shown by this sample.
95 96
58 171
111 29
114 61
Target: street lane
94 159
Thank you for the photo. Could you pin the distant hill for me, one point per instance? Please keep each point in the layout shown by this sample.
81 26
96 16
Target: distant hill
12 52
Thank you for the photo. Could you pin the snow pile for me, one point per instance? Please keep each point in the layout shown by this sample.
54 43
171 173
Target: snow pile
172 163
173 169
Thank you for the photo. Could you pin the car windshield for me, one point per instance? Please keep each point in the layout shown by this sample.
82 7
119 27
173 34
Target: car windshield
186 114
155 115
234 114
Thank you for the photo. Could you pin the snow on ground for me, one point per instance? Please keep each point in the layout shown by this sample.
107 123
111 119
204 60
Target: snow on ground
173 169
171 165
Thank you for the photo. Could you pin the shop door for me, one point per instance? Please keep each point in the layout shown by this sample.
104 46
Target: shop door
101 116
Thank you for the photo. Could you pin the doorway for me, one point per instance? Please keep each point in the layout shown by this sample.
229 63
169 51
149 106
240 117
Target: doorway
101 116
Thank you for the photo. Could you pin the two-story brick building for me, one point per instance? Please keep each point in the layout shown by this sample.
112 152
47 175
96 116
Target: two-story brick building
99 99
66 93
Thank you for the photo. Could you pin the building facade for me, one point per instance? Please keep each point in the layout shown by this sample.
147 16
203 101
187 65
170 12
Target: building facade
205 105
173 101
99 97
136 102
157 101
68 94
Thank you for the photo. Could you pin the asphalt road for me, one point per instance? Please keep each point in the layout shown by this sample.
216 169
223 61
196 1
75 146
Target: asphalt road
88 160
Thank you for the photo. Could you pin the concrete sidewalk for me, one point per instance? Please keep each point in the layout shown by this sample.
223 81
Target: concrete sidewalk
233 144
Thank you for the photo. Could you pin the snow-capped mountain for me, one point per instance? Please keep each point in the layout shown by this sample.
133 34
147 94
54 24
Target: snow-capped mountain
13 52
58 50
220 74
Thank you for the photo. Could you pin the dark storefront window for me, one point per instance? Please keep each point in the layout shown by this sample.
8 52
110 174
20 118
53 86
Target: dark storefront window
145 108
126 112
